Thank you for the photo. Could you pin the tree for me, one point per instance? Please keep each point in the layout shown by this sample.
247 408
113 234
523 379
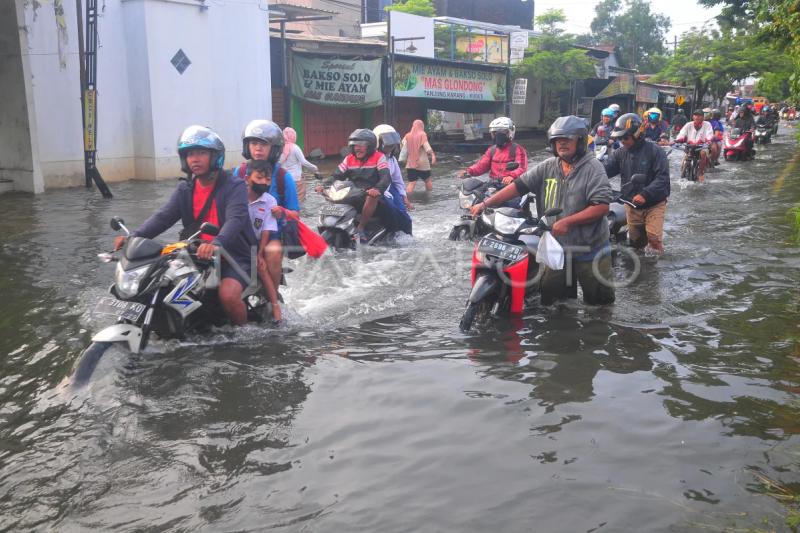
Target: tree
637 31
552 61
423 8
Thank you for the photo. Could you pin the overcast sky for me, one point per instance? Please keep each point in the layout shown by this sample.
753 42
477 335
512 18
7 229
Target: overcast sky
684 13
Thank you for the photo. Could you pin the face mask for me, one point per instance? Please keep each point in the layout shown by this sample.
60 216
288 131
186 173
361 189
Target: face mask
500 139
259 188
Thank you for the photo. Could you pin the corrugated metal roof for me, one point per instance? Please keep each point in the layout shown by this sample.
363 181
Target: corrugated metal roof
302 11
307 37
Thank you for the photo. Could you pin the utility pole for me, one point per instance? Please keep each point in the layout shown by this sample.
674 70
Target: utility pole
634 52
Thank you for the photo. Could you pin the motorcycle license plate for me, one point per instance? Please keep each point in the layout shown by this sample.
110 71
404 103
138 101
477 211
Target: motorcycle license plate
335 210
500 249
127 310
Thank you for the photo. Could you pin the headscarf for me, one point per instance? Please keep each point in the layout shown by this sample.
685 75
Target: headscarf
290 140
414 141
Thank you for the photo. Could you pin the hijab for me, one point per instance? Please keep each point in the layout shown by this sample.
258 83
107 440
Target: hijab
290 140
414 141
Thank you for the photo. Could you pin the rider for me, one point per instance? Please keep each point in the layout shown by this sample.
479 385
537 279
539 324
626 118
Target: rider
697 132
654 125
605 120
263 140
389 145
709 115
503 152
637 156
745 123
678 121
577 184
202 155
617 111
367 169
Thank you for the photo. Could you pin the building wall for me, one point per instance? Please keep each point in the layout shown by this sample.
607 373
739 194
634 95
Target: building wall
143 102
511 12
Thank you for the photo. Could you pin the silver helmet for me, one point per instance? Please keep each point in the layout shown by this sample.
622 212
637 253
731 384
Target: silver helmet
267 131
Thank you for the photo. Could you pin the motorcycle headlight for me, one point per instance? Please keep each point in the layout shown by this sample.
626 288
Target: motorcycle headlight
339 194
127 281
466 201
505 224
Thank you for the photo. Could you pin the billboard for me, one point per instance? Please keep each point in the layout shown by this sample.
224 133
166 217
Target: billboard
337 82
435 81
403 25
490 49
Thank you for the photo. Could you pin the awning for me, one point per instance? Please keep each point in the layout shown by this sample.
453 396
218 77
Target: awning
280 12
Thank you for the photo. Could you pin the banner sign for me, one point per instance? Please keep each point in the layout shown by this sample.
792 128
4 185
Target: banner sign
90 108
337 83
646 93
403 25
622 84
433 81
490 49
519 39
520 90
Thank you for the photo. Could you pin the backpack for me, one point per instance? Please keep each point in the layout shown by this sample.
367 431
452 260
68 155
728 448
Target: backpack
512 151
281 183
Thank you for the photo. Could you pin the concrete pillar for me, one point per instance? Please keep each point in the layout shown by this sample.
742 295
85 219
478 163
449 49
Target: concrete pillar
19 145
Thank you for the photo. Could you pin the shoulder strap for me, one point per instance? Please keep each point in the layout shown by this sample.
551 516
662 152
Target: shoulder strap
192 228
513 152
491 156
281 184
242 170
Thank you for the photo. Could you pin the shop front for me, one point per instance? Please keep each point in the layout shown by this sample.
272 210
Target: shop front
621 91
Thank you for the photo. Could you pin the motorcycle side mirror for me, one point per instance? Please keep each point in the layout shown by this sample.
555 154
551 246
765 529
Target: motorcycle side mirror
117 223
512 165
553 212
639 178
318 176
209 229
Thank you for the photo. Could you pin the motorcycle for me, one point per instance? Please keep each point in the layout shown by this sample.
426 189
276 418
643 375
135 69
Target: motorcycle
690 165
338 222
763 135
734 148
503 273
473 191
164 290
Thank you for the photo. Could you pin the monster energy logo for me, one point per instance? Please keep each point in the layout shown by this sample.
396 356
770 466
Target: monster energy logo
550 191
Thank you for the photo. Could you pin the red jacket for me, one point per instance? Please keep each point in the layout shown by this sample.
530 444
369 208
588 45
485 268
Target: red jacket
497 167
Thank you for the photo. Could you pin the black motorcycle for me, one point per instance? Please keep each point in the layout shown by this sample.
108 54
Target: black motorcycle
338 222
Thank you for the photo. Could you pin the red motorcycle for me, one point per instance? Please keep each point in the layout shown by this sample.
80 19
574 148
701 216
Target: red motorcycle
735 148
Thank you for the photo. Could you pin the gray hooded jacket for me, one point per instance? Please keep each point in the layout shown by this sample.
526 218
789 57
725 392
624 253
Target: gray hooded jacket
586 186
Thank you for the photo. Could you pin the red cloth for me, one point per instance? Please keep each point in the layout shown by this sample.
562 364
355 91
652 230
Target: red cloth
497 167
314 245
198 201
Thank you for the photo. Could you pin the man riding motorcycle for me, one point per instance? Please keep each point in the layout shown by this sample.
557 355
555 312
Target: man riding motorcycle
697 132
637 156
209 194
709 115
678 121
655 127
367 169
504 151
606 118
745 122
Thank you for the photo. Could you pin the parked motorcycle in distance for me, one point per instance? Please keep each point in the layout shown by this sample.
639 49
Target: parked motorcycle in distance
472 191
338 222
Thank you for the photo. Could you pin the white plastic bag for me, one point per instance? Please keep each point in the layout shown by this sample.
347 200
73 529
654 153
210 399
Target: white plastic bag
550 252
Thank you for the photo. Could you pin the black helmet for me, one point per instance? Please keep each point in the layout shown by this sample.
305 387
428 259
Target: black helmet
570 127
363 137
629 124
267 131
716 114
195 137
680 111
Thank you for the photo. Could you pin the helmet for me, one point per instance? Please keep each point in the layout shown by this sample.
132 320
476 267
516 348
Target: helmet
707 111
267 131
629 124
766 109
387 136
615 108
363 137
603 130
716 114
654 114
570 127
195 137
680 111
607 112
503 124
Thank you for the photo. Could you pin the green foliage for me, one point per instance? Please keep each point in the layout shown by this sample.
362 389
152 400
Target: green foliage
423 8
548 22
623 22
795 212
552 61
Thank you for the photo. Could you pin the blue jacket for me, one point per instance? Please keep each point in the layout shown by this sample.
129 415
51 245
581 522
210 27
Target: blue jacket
645 158
232 210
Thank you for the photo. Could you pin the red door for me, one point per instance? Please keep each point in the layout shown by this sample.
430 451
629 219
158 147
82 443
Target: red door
328 128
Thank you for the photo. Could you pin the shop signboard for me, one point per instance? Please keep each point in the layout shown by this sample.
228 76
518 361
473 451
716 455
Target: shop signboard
622 84
520 91
337 82
646 93
436 81
488 48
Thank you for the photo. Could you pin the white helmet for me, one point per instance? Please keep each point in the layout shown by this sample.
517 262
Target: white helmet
504 124
387 136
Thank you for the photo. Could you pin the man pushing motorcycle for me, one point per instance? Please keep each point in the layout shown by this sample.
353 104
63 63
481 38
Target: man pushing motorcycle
209 194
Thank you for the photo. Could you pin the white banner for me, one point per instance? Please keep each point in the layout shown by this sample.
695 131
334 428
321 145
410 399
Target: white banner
520 91
403 25
519 39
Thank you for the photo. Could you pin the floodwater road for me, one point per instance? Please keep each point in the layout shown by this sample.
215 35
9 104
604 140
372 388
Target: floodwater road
371 411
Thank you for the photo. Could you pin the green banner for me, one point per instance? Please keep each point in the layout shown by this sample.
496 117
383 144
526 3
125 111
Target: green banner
433 81
337 82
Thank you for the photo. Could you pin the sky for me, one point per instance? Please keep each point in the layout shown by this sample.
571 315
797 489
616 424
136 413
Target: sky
684 13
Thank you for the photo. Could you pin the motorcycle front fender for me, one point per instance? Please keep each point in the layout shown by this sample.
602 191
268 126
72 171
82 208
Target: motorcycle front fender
485 285
128 333
468 223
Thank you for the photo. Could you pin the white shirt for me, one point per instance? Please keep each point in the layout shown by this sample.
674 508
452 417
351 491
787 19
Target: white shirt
294 163
261 214
692 134
397 178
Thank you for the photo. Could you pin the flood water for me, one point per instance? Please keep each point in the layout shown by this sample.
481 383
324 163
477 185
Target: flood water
372 412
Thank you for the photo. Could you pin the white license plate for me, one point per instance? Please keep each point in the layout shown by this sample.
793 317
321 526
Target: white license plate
127 310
